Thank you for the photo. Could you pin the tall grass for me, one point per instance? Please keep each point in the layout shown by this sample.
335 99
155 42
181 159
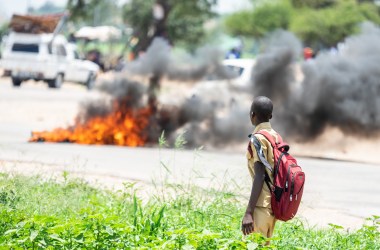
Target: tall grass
36 213
44 214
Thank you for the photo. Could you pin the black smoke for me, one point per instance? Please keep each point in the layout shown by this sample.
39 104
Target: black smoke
273 73
339 89
159 59
208 115
120 90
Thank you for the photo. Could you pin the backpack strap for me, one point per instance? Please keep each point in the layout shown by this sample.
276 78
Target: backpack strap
281 145
260 152
262 158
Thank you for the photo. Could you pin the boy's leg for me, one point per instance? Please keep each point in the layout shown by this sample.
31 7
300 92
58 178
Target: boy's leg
264 221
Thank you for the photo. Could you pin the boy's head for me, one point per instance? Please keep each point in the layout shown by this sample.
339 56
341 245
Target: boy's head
261 110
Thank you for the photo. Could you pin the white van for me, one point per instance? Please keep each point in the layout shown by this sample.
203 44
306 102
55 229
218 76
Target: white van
47 58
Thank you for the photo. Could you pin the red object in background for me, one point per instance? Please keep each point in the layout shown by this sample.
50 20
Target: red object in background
308 53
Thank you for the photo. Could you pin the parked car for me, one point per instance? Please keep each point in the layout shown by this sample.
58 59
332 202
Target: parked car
237 85
236 74
45 57
242 69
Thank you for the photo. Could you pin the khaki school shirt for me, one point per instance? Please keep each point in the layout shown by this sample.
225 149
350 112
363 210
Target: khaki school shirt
265 196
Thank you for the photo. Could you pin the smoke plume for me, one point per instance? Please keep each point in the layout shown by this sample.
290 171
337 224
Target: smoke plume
160 60
339 89
121 90
273 74
208 114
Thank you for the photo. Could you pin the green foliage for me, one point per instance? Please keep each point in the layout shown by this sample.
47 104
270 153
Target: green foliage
138 14
315 4
270 17
265 18
240 23
321 23
93 12
38 214
3 30
180 141
331 25
369 12
162 142
184 20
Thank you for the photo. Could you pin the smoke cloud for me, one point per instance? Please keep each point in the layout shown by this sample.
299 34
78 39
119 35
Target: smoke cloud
273 73
209 114
339 89
121 90
160 60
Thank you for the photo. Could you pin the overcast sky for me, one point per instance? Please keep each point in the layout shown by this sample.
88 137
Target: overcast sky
9 7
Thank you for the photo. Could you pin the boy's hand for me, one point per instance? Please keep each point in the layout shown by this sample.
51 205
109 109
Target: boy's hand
247 224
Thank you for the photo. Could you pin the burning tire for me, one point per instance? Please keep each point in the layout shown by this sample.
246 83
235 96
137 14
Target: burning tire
56 83
16 82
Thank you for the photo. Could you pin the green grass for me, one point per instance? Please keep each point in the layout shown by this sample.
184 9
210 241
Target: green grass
45 214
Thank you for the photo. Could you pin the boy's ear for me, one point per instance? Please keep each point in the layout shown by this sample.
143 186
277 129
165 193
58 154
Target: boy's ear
270 117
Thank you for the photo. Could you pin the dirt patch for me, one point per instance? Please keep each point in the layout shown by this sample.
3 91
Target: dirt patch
334 144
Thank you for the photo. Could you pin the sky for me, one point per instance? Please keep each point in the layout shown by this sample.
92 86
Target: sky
9 7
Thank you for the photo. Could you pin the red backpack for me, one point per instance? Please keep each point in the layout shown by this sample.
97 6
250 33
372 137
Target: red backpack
288 177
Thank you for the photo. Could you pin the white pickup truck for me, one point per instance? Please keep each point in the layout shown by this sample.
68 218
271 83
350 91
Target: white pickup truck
47 58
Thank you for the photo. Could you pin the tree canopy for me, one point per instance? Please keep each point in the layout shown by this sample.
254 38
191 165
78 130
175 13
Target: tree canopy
182 21
319 23
93 12
257 23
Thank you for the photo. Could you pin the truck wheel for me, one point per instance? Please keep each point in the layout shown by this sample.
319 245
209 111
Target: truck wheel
16 82
56 83
91 81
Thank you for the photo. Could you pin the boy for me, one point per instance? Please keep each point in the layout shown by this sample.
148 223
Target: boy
259 217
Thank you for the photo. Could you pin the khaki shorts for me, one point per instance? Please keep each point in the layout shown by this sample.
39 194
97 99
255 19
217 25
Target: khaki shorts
263 221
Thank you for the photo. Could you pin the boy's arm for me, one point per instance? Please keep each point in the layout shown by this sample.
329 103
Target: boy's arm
257 186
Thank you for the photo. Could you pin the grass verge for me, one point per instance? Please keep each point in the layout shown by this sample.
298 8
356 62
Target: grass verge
45 214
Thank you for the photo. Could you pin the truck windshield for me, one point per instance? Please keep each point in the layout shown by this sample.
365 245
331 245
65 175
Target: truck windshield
24 47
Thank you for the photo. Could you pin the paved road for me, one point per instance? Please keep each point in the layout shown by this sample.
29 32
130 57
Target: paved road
336 192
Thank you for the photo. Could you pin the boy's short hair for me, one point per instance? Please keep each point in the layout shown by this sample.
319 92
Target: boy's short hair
262 106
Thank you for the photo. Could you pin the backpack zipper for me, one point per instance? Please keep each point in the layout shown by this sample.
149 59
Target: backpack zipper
287 176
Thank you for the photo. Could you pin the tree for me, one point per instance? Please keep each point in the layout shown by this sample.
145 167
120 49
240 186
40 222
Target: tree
315 4
179 21
139 15
240 23
265 18
329 26
319 23
186 21
93 12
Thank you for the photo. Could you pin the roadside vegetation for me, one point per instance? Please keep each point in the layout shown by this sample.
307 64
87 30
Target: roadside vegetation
46 214
68 213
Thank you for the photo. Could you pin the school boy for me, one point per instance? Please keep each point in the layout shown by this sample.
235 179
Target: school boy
259 217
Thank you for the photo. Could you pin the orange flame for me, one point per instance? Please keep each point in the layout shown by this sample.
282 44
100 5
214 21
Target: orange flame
123 126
